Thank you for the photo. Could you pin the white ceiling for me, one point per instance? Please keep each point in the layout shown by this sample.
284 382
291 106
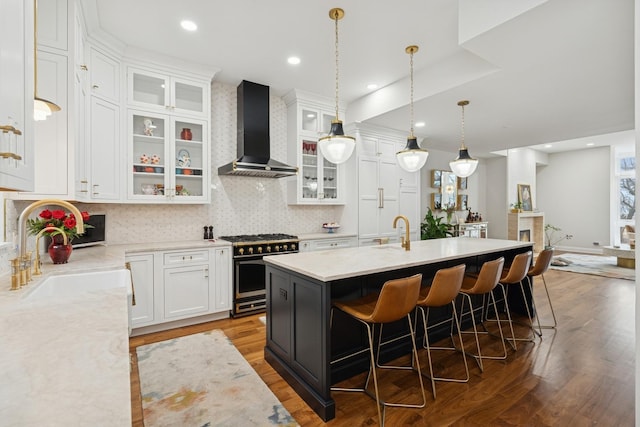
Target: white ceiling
535 71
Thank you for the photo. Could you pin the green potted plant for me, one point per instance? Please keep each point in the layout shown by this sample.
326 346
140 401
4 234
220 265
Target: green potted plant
432 227
551 238
516 207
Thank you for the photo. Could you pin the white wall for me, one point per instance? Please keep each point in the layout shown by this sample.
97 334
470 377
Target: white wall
495 194
574 192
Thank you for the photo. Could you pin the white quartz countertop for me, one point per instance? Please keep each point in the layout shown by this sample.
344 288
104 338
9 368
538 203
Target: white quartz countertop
339 264
65 361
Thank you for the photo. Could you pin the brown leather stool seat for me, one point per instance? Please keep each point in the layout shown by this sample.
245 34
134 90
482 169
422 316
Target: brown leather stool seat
482 284
542 263
443 291
512 276
397 299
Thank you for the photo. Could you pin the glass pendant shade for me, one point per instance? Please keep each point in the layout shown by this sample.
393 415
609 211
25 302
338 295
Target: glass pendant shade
43 109
412 157
463 166
336 147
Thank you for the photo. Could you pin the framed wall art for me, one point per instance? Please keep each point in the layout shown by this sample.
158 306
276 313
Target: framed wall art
524 197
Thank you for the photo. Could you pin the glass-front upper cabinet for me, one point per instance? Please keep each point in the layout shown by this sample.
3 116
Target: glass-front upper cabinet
318 181
316 122
319 176
169 94
168 158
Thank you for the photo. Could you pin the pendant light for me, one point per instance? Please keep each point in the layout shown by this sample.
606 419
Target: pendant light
336 147
42 108
412 157
464 165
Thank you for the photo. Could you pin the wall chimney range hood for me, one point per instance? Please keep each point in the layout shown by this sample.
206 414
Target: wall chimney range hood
254 157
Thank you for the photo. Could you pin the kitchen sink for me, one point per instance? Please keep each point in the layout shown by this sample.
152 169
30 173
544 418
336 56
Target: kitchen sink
66 285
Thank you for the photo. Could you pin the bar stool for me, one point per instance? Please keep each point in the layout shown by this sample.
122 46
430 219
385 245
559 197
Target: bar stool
396 300
515 275
483 284
543 261
443 290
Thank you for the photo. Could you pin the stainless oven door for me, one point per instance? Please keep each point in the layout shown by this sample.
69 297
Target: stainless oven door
249 279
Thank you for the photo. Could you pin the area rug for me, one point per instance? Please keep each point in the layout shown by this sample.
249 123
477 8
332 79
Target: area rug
202 380
593 264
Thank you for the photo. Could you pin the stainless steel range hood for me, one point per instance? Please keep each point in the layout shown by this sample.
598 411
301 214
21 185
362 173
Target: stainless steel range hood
254 157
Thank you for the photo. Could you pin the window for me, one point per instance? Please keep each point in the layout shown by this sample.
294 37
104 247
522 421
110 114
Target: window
625 182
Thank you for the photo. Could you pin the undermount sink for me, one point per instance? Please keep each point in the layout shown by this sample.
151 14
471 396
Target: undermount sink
66 285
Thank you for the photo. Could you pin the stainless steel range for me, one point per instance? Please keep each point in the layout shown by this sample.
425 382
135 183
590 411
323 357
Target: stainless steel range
249 271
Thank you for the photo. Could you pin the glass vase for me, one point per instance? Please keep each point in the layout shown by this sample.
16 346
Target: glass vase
58 251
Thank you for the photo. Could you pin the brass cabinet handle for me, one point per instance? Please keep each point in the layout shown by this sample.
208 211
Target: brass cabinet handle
9 128
84 67
6 155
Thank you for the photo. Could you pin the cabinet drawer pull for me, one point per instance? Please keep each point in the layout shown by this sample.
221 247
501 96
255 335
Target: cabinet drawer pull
10 156
95 86
84 68
9 128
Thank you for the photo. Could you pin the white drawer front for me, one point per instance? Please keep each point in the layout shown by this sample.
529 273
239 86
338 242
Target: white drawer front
185 257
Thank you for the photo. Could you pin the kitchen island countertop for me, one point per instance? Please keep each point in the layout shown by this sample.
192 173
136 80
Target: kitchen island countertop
331 265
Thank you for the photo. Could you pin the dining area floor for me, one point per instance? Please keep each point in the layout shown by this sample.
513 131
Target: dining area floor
580 374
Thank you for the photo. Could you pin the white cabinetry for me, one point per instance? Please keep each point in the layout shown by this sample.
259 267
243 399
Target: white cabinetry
223 279
186 286
328 243
164 93
384 189
16 94
103 154
318 181
168 138
105 76
141 266
167 165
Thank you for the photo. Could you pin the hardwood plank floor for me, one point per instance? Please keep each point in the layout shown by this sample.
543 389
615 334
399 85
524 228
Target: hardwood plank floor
582 374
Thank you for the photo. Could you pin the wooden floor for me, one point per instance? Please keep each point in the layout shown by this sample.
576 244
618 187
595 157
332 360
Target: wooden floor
582 374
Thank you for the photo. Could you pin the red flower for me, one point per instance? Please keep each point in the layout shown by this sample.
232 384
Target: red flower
70 222
58 214
85 215
46 214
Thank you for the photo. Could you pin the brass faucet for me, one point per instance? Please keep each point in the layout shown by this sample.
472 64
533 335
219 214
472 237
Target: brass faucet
19 276
406 239
37 263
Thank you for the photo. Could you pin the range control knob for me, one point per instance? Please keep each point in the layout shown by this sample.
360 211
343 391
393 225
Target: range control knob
268 248
293 246
276 248
284 247
241 251
250 250
259 249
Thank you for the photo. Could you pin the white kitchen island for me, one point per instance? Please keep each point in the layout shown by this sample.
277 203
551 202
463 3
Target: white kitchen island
300 288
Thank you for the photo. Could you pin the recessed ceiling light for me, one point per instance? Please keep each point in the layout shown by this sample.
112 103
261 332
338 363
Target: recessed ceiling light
293 60
420 124
188 25
372 86
548 145
311 115
591 144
